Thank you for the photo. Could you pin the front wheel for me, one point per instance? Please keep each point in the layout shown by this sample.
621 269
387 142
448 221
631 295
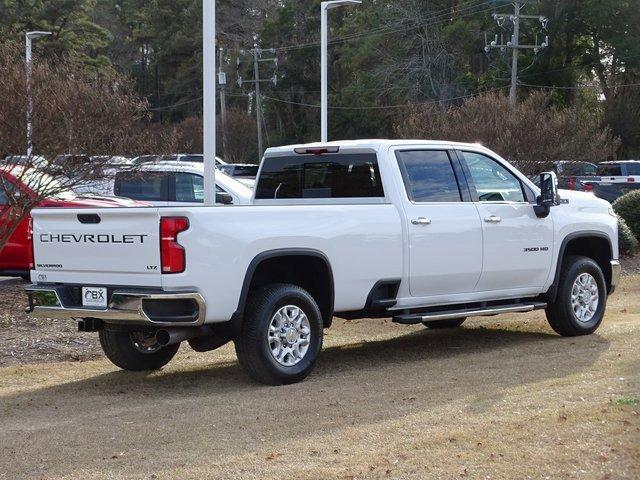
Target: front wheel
136 351
581 300
281 335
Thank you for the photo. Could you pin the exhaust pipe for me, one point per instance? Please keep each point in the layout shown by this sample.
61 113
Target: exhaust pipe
171 336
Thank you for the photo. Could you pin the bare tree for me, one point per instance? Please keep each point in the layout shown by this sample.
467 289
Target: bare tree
533 132
74 112
241 144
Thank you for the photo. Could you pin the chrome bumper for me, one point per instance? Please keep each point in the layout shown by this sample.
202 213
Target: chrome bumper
616 271
130 307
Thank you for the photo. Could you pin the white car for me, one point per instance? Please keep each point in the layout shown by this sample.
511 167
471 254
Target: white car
244 173
418 231
167 183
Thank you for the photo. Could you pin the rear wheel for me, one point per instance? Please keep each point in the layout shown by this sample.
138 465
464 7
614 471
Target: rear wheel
439 324
281 335
581 300
136 351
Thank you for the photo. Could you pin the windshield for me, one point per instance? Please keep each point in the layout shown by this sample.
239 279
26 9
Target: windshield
579 169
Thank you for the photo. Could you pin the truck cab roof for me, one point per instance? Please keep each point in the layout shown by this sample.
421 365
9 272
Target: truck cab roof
370 144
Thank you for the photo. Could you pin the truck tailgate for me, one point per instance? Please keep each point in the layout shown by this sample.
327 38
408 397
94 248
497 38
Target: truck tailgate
114 246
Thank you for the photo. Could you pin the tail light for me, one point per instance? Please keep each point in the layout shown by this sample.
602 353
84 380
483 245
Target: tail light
572 183
30 255
172 254
631 180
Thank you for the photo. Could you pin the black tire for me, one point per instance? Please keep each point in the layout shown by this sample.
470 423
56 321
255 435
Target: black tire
560 314
441 324
121 349
253 347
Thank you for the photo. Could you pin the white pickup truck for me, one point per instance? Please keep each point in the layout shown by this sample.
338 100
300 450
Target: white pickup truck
419 231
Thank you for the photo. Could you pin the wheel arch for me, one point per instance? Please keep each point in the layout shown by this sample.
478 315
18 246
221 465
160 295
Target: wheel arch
593 244
276 266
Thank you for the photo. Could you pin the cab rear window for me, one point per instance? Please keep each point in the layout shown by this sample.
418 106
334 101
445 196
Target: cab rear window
341 175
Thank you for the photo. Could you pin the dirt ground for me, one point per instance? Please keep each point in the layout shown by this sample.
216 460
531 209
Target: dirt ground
501 398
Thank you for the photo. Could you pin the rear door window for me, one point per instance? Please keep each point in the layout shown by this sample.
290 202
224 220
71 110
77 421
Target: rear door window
320 176
145 186
429 176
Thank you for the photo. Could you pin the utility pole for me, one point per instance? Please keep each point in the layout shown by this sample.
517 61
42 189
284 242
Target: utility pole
222 81
257 58
513 91
256 76
514 44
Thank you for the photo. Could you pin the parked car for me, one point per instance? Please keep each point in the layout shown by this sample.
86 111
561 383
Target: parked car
614 179
419 231
36 161
16 258
165 183
244 173
572 175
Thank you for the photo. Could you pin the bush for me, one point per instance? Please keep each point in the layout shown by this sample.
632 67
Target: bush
628 207
629 244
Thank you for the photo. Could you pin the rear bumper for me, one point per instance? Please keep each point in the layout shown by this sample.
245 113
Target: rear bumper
616 271
125 306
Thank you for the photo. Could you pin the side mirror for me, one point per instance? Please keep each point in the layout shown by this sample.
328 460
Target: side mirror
224 198
548 194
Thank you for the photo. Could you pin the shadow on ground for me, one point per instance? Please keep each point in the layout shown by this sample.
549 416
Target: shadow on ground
464 349
215 410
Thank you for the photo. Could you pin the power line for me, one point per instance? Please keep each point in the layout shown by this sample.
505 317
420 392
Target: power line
385 107
577 87
175 105
514 44
386 30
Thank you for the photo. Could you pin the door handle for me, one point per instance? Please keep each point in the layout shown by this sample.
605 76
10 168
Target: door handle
493 219
422 221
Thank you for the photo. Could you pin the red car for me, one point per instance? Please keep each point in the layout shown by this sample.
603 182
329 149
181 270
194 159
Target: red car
16 258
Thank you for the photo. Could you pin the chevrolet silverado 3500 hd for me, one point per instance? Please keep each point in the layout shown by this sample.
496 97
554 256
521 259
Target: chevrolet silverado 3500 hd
419 231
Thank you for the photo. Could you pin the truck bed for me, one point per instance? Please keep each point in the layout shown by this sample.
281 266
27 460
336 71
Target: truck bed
362 242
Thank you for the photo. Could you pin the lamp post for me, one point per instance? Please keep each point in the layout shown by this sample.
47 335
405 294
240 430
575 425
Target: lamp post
324 44
29 37
209 99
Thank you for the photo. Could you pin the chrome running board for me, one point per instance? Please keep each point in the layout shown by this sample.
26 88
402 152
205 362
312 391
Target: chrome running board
419 317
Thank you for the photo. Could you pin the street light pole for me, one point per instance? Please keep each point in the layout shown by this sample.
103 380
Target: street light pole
29 37
209 100
324 73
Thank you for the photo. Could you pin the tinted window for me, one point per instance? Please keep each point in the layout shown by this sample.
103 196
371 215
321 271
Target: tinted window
578 169
189 187
192 158
613 170
324 176
148 186
493 182
428 176
6 187
633 168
